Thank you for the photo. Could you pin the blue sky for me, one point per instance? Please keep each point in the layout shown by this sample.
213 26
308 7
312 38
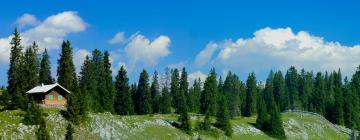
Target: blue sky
191 26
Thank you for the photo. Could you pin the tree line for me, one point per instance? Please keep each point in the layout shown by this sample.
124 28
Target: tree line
94 90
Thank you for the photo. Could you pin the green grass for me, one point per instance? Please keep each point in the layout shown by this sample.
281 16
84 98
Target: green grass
107 126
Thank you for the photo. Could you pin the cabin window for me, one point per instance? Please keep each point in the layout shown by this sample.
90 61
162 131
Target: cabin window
59 97
51 97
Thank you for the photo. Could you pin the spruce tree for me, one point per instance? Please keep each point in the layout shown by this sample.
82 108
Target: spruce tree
208 98
184 117
107 88
175 88
231 90
76 107
123 100
279 91
305 88
45 69
165 101
66 68
155 93
33 114
42 133
318 97
194 96
251 96
184 85
263 119
69 132
16 89
88 83
31 68
143 91
276 127
99 99
223 117
292 91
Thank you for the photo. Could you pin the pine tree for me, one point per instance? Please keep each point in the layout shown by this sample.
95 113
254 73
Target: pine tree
292 91
208 96
107 88
88 83
69 132
123 101
251 96
318 97
42 133
143 91
175 88
155 93
33 114
45 70
16 89
305 88
66 68
194 96
279 91
231 90
31 68
184 117
165 101
223 117
184 85
276 127
263 119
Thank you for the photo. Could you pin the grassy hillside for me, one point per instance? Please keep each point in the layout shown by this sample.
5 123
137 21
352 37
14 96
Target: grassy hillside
107 126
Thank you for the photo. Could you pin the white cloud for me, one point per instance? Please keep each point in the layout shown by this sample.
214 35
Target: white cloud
205 55
279 49
118 38
179 65
27 20
196 75
79 58
141 49
48 34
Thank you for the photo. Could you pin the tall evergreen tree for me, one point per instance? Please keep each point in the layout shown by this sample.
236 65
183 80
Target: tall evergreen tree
318 97
165 101
279 91
107 87
33 114
99 98
251 96
123 100
292 90
16 89
88 83
31 68
223 117
184 86
305 88
45 69
276 127
155 93
175 88
263 119
143 91
66 68
76 107
194 96
184 116
231 90
208 102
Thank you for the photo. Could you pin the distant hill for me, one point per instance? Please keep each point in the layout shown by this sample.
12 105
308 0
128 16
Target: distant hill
297 125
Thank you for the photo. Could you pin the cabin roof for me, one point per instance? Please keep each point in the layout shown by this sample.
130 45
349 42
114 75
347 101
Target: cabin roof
45 88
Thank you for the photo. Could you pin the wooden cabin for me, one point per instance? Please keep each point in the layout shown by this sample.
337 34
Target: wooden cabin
49 95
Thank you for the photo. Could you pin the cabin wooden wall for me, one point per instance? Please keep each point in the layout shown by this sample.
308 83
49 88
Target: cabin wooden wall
55 100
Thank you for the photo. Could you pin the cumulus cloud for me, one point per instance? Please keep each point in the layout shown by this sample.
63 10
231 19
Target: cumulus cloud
279 49
118 38
48 33
141 49
79 58
27 20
